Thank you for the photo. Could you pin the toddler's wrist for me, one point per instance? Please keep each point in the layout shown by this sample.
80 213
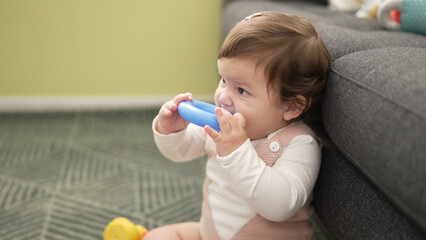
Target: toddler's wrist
161 130
230 152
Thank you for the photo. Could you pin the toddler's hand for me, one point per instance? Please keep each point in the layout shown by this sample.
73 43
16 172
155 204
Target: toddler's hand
169 120
232 134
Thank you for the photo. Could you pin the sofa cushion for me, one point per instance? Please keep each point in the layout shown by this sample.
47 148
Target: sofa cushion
343 33
374 111
342 41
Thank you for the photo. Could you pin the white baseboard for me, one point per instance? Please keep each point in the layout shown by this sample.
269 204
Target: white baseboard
43 104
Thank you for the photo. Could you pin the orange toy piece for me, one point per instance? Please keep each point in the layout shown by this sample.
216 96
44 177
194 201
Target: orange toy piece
123 229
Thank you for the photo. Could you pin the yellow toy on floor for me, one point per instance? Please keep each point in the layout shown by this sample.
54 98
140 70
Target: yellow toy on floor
123 229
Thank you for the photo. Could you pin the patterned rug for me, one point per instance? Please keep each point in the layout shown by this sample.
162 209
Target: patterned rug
66 175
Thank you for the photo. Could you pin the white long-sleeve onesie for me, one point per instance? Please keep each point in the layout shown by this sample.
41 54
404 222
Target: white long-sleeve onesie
241 185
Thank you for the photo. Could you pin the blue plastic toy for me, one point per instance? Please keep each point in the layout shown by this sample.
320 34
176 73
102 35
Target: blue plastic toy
199 113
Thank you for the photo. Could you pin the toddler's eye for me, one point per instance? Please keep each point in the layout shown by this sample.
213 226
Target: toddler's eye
222 81
242 91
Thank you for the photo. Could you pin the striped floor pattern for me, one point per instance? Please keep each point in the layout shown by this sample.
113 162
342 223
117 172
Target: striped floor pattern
66 175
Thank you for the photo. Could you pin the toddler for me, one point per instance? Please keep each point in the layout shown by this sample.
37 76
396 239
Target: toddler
262 166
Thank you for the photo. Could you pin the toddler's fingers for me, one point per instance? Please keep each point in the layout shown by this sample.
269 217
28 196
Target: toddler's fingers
170 106
178 99
165 112
222 120
182 97
232 121
211 132
189 96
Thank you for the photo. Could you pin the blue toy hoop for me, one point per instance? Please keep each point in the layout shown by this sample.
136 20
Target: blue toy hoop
199 113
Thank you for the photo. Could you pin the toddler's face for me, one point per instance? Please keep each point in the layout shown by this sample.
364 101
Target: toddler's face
243 88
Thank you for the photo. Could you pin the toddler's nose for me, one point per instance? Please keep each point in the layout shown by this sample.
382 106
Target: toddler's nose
225 100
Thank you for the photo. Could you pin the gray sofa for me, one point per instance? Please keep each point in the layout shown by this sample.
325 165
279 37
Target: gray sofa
372 183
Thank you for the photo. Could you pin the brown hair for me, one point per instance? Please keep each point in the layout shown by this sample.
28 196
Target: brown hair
295 58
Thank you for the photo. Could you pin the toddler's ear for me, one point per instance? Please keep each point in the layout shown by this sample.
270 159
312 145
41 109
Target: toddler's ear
294 108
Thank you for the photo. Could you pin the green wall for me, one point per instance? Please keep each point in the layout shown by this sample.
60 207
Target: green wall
107 47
